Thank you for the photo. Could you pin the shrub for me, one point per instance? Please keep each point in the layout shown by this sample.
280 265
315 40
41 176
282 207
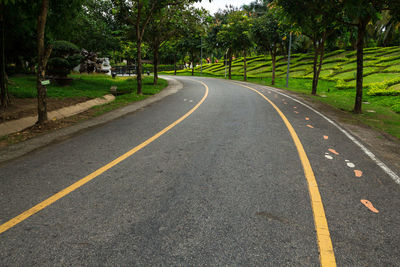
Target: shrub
334 53
396 107
342 85
65 56
335 60
382 89
387 59
383 92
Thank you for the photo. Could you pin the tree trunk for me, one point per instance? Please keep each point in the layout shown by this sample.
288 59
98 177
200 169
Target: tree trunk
360 57
319 53
3 80
192 64
139 49
273 57
321 58
155 64
315 62
139 66
43 55
174 64
230 65
244 66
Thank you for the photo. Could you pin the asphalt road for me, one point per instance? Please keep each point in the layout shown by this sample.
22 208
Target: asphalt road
224 186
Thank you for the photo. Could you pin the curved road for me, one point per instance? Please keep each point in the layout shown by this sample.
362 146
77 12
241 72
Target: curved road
224 185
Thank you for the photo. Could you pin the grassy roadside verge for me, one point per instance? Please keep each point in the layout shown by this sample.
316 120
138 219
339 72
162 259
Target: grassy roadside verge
377 110
83 86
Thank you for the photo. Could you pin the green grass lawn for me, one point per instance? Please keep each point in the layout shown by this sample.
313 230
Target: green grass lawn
89 85
379 77
83 85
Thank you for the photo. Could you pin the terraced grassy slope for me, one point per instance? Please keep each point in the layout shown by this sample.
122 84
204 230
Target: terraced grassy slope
337 81
381 71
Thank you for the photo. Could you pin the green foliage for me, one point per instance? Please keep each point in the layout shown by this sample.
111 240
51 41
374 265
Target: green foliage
83 85
396 107
342 85
235 33
65 56
334 53
95 27
380 90
64 48
267 32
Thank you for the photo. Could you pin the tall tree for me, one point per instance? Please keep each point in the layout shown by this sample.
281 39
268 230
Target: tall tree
166 24
358 13
95 27
43 56
224 40
138 13
3 84
4 97
192 33
267 32
317 23
236 34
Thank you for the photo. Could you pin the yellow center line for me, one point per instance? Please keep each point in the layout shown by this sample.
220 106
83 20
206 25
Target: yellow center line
327 255
28 213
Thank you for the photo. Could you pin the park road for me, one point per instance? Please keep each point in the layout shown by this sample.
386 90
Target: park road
227 184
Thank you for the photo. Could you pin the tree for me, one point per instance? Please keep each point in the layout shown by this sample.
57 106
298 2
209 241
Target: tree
95 27
192 33
317 23
43 56
42 21
220 39
267 34
137 14
165 25
257 8
3 81
236 35
224 38
4 96
65 56
358 13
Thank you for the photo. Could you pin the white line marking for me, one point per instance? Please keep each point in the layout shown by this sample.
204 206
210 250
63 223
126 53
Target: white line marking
350 165
372 156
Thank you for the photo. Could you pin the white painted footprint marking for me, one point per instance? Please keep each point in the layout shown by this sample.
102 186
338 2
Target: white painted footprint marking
349 164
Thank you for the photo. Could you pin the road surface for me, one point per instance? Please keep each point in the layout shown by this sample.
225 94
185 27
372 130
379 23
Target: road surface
214 175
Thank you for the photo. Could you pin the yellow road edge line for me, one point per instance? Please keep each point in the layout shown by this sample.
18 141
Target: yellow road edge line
28 213
327 255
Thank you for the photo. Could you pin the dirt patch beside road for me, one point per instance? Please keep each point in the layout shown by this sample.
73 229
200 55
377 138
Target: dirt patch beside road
25 107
